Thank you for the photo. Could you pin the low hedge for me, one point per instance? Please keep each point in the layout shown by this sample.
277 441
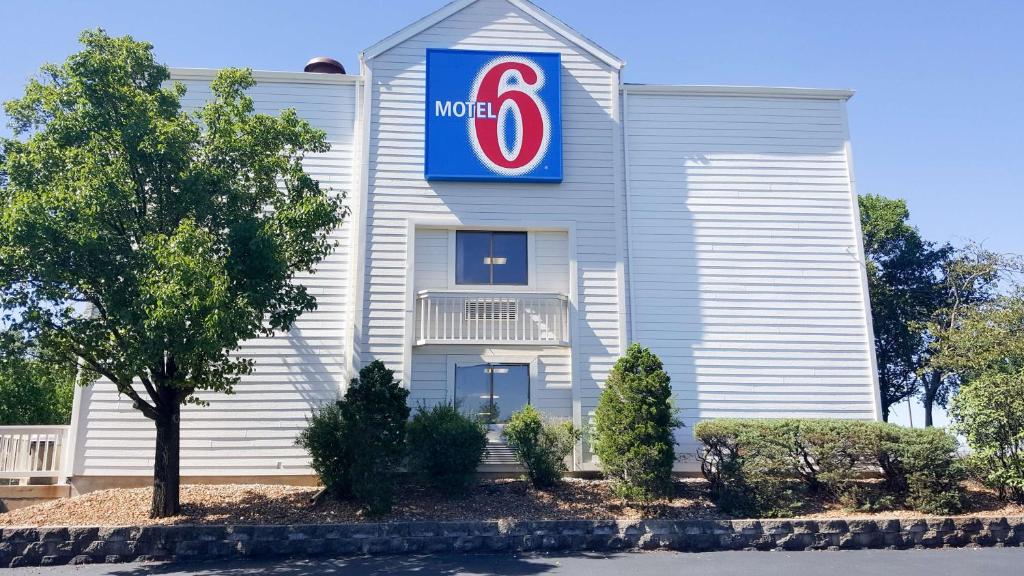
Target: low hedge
763 467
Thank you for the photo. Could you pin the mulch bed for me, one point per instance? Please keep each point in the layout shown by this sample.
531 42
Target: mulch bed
490 500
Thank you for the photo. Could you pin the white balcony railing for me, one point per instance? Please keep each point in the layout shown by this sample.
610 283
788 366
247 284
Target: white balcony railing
32 451
447 317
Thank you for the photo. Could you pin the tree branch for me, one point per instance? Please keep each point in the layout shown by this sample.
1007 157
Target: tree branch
150 389
81 351
124 388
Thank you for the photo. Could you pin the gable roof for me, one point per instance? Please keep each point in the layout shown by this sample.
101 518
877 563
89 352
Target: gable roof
556 25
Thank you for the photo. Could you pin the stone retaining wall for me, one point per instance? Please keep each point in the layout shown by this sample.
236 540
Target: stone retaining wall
51 546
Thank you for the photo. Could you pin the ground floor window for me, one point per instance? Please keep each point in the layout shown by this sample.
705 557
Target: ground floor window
492 391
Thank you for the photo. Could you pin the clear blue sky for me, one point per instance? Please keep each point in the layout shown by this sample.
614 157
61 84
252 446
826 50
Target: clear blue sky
937 119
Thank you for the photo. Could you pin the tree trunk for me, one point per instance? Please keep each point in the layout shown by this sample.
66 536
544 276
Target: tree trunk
166 473
931 388
885 412
928 401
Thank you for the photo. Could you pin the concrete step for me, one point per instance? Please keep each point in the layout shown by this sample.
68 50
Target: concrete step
14 497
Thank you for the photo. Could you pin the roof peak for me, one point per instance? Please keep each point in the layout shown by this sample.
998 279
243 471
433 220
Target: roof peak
531 9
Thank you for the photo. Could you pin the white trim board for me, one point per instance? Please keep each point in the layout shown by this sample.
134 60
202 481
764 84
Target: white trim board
206 74
763 91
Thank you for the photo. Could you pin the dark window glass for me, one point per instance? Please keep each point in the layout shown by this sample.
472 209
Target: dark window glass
510 389
473 390
491 258
472 254
492 392
509 258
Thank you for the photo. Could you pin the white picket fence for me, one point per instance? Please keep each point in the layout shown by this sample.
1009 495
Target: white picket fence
32 451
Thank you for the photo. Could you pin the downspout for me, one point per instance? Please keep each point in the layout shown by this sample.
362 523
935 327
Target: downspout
360 211
631 293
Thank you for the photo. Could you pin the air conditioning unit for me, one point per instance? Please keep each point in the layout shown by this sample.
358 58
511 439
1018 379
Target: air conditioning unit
492 309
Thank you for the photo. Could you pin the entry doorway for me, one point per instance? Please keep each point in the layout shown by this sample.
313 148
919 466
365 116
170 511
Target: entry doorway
492 391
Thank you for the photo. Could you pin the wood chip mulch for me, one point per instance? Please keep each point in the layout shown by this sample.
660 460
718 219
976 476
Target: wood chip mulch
490 500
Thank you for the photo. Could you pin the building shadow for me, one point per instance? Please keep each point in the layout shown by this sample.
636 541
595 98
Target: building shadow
432 565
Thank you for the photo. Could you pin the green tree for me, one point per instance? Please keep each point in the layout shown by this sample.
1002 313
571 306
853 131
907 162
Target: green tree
989 337
181 234
903 283
36 386
633 426
970 276
986 349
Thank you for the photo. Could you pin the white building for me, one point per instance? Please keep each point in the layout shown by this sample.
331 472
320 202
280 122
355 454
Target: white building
716 225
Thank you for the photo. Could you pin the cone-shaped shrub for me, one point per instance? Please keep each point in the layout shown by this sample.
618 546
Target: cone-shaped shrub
357 444
633 426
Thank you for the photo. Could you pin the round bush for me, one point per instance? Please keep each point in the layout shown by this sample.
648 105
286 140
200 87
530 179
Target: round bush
327 440
356 445
445 447
540 446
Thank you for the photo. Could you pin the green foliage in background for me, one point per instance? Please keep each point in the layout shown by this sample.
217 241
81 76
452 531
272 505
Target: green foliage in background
984 346
36 386
970 277
903 281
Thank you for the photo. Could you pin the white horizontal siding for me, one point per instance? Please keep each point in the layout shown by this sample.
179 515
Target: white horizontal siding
398 193
251 432
743 259
431 267
551 261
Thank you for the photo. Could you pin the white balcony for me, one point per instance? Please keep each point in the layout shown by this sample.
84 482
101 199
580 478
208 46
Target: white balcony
32 451
505 318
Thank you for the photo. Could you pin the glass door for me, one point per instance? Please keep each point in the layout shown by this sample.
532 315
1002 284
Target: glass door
492 391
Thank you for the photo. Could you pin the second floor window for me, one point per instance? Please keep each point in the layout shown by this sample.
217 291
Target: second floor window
497 258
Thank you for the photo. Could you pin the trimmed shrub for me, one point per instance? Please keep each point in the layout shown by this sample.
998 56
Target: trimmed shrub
356 445
920 467
765 467
989 411
933 470
445 447
748 466
633 426
827 453
540 446
328 440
